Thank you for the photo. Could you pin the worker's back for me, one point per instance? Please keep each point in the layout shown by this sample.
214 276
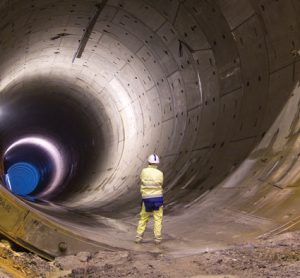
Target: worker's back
151 182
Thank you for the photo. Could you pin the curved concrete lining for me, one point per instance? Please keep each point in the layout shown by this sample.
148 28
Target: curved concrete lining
211 86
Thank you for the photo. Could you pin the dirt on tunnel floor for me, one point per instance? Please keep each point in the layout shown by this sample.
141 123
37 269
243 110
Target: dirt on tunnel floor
278 256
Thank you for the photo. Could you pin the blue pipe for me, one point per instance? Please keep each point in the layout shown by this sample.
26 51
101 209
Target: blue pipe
22 178
27 169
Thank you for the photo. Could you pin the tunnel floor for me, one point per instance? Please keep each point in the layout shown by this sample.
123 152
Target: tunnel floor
181 237
277 256
210 225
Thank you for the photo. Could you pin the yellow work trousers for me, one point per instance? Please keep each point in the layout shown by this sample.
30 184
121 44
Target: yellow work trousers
144 218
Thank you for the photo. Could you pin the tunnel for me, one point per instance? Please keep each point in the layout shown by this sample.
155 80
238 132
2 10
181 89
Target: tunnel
90 88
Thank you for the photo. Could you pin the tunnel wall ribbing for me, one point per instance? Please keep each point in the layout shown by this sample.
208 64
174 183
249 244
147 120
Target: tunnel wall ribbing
198 82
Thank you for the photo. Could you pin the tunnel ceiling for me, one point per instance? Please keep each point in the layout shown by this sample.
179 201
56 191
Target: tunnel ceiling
197 82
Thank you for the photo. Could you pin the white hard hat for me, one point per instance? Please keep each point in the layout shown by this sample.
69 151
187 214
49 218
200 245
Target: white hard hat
153 159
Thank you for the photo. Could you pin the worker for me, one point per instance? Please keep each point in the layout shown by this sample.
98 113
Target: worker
152 199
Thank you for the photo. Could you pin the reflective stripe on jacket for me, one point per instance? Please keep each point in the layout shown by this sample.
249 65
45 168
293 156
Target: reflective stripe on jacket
151 182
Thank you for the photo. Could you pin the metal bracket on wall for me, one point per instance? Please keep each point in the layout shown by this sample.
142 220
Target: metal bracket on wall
88 30
181 43
191 52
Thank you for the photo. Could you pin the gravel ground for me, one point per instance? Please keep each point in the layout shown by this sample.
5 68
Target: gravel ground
21 264
275 257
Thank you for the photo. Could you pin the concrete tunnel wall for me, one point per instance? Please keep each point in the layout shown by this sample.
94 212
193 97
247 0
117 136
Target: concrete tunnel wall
198 82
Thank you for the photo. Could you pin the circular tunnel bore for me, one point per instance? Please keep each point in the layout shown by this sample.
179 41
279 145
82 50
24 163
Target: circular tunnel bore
198 82
50 144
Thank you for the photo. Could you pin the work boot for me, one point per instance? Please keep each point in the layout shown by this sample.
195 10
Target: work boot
157 241
138 239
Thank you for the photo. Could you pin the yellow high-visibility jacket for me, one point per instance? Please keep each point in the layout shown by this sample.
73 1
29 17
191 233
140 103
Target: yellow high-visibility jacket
151 182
